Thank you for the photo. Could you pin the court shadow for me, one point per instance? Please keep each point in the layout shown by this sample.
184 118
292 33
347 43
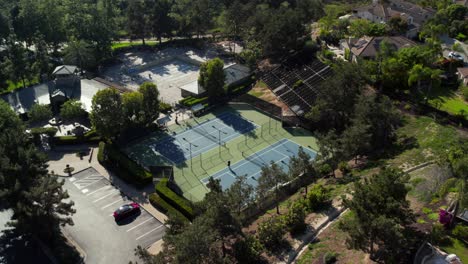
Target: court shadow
236 122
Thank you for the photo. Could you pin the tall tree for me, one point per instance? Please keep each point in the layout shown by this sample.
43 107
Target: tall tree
301 165
150 102
16 64
270 180
137 20
239 194
79 53
72 110
212 78
106 114
133 108
160 22
39 113
380 215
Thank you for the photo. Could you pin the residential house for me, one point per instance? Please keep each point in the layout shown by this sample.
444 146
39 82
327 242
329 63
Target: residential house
378 12
463 75
368 47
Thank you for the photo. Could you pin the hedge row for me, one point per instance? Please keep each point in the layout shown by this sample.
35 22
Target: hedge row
51 131
100 155
191 101
178 202
164 207
89 137
126 168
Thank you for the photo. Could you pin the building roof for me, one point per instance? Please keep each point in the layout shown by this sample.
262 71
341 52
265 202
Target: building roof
65 70
398 8
368 47
463 72
193 88
235 73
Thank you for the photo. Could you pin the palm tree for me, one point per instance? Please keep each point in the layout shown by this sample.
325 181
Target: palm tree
80 53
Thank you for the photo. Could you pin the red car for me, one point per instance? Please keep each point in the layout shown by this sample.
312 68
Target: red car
126 210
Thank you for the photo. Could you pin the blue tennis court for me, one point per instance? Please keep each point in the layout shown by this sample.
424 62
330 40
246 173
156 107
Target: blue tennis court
280 153
202 137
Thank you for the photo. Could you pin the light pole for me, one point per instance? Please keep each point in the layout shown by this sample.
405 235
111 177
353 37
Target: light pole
190 149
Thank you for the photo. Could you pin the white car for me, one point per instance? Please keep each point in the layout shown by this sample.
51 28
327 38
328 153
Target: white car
456 56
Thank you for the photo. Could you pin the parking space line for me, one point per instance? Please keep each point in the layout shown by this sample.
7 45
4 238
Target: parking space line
140 224
149 232
97 190
88 177
91 183
99 199
120 200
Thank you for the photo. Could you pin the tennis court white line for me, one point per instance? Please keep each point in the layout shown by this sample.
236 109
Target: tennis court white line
149 232
97 190
99 199
139 224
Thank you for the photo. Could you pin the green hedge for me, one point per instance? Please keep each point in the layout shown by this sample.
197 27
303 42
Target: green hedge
100 155
164 207
191 101
126 168
178 202
51 131
89 137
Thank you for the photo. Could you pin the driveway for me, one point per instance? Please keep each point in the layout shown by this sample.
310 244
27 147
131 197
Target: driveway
95 230
447 44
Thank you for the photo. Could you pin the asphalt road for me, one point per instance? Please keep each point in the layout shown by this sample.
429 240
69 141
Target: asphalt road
95 230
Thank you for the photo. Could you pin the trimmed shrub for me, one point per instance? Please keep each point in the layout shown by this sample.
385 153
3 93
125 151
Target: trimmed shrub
191 101
126 168
465 92
343 167
164 107
164 207
51 131
178 202
89 137
101 151
461 232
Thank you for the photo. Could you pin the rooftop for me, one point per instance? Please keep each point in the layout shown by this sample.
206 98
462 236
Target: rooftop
370 46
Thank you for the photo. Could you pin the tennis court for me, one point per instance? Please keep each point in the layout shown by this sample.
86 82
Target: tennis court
202 137
280 153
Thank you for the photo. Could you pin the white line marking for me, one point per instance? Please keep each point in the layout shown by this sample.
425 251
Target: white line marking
88 177
120 200
97 190
149 232
91 183
140 224
84 190
99 199
72 179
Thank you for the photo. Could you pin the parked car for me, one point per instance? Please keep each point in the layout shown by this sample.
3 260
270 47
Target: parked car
456 56
126 210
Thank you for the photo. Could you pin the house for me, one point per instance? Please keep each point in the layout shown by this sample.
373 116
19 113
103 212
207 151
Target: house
368 47
461 2
66 85
378 12
235 74
463 75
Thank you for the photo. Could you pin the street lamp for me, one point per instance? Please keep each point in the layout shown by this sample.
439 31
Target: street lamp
190 149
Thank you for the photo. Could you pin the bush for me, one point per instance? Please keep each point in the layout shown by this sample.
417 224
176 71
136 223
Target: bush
72 109
325 169
191 101
164 207
101 151
51 131
178 202
465 92
164 107
126 168
330 257
298 83
39 112
247 250
89 137
461 232
271 232
343 167
317 197
295 219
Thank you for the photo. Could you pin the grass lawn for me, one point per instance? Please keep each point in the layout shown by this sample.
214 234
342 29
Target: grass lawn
458 248
448 101
11 86
125 44
425 139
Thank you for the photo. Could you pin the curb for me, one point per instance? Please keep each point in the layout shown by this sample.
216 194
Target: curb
80 250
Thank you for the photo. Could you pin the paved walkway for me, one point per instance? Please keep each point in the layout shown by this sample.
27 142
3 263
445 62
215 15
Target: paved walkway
61 156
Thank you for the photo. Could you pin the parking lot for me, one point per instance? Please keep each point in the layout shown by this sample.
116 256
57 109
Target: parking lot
96 232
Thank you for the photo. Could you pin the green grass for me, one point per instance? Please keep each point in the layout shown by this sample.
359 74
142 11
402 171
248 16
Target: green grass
11 86
125 44
421 221
446 100
458 248
256 94
430 140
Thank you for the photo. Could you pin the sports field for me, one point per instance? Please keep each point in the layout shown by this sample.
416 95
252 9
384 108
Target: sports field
201 148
